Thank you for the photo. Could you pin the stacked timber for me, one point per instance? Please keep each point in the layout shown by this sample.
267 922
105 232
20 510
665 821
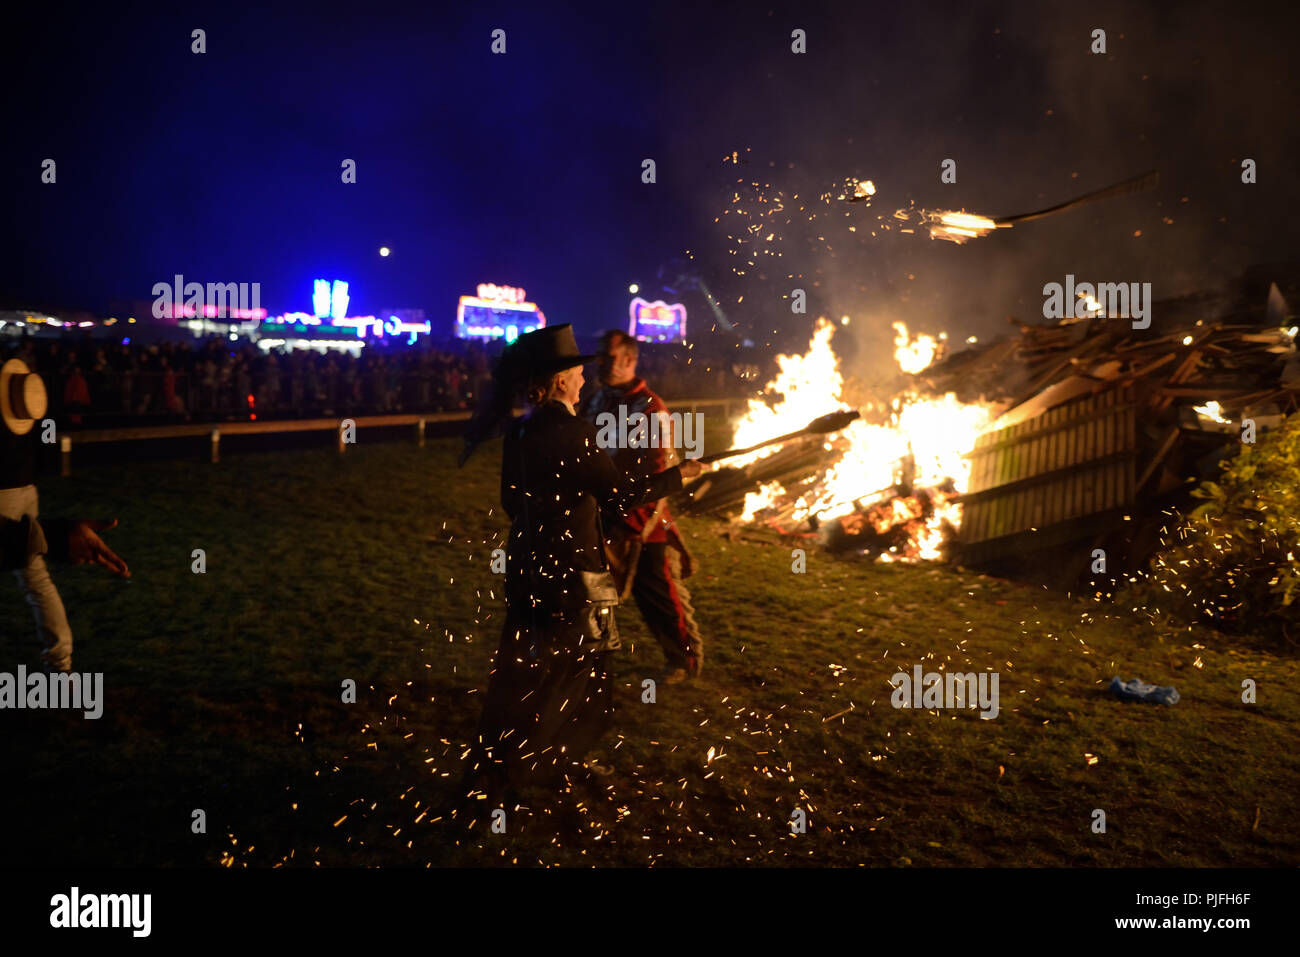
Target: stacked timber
1109 426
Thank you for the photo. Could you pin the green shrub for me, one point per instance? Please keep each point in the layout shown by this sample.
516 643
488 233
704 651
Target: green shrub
1234 561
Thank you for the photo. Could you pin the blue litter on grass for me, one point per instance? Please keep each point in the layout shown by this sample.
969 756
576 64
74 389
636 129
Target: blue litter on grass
1139 690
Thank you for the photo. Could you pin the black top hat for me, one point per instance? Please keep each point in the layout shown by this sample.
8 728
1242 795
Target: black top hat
542 351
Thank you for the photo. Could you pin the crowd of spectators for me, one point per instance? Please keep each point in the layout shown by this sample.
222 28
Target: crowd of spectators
92 382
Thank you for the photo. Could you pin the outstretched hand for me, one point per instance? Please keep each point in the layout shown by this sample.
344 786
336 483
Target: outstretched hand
86 547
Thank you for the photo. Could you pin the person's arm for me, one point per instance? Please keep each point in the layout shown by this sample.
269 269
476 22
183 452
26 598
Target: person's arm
665 456
596 473
85 547
76 541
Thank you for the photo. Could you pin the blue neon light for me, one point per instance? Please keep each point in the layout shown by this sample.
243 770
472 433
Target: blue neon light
339 300
320 297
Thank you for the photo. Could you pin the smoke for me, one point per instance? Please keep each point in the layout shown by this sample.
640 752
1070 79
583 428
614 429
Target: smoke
1015 96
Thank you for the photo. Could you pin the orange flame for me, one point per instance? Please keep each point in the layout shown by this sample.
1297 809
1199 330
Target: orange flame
927 436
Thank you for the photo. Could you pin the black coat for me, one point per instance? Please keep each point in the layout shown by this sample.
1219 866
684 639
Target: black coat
555 480
549 698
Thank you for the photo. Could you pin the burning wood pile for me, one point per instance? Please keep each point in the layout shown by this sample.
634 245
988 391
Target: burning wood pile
1067 436
886 484
1238 359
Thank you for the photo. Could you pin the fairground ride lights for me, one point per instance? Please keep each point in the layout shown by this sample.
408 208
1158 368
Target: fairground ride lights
497 312
322 346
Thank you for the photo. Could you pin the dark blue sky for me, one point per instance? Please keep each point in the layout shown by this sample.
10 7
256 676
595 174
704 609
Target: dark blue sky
525 168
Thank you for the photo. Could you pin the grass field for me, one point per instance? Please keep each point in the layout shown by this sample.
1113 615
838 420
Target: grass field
223 693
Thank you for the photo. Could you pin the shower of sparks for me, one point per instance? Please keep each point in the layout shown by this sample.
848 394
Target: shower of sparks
737 778
952 225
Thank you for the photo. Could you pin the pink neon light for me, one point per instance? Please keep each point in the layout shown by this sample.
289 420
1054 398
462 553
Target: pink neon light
657 313
497 293
211 312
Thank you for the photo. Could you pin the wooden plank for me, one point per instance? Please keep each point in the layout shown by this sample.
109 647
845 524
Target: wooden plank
997 507
987 530
1002 436
977 465
1131 496
1044 478
985 467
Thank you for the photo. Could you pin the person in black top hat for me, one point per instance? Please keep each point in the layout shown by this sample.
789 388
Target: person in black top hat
549 696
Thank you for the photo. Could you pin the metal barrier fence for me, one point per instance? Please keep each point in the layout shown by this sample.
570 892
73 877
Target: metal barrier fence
113 397
302 392
215 430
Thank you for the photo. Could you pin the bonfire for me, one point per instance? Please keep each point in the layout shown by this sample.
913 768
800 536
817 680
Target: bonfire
889 483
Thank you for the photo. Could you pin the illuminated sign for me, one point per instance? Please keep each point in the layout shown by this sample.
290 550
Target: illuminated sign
657 321
330 299
210 312
487 290
497 312
330 324
357 327
320 297
339 300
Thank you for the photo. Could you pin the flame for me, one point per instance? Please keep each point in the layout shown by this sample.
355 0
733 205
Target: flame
959 227
1212 410
951 224
1092 305
922 438
913 356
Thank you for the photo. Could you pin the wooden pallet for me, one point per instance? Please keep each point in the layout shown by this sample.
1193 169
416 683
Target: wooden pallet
1076 460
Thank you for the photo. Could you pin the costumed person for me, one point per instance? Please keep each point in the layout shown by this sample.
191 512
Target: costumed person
549 697
646 553
23 542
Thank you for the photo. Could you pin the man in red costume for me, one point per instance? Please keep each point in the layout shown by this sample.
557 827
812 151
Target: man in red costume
646 553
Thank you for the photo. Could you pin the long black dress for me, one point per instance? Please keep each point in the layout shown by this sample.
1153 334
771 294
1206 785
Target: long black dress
549 697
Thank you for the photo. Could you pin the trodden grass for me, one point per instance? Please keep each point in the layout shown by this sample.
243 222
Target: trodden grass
224 694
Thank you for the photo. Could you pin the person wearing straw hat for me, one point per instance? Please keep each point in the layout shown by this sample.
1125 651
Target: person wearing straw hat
549 697
23 540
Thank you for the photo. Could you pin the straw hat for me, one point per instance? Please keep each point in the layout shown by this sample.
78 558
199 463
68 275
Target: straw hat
22 396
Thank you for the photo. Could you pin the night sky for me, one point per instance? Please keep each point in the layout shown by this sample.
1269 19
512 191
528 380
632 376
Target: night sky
526 168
